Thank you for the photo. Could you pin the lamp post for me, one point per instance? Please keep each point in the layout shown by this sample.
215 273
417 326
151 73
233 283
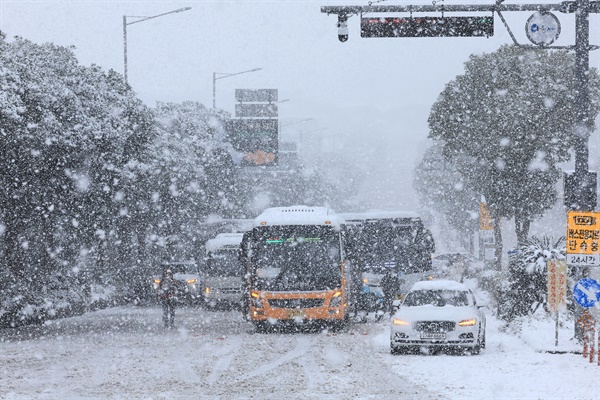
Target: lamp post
143 18
297 122
225 75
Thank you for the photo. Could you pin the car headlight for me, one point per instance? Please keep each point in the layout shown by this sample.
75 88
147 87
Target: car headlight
400 322
336 300
467 322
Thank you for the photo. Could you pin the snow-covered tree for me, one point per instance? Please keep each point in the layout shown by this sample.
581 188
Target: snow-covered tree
526 285
67 133
443 189
507 123
191 171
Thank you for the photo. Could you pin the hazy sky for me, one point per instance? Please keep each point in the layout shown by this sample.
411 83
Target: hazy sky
369 98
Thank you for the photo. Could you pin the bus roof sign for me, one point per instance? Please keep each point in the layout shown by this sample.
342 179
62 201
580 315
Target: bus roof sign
297 215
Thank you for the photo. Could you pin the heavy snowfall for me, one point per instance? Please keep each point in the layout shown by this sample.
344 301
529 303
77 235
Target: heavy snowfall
102 193
125 353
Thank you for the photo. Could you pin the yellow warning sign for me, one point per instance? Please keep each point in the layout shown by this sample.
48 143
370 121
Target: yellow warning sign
486 223
583 232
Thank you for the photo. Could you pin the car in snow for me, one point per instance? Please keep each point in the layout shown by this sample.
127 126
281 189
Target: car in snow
187 280
438 315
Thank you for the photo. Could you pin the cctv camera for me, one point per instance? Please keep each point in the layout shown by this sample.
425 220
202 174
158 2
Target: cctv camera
342 28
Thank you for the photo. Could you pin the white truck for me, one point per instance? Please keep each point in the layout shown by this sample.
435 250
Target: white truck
223 273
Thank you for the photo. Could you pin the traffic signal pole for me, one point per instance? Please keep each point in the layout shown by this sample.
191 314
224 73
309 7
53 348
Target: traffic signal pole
582 91
580 188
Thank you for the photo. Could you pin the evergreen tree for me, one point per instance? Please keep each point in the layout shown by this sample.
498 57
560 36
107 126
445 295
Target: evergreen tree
506 124
442 188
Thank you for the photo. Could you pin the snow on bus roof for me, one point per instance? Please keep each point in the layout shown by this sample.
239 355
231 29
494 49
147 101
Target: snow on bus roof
378 214
224 240
297 215
441 284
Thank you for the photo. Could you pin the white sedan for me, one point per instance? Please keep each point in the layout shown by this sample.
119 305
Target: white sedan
438 315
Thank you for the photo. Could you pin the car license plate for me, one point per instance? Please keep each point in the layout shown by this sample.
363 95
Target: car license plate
433 335
296 313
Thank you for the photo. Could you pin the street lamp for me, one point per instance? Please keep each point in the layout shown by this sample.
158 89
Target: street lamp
297 122
225 75
125 23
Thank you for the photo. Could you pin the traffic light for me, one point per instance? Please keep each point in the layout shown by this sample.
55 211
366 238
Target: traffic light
426 26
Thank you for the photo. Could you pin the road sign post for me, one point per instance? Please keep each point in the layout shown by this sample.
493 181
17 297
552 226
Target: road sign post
557 289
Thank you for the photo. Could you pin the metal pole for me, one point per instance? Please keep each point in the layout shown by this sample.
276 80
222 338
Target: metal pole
135 22
581 132
582 91
226 75
125 47
214 90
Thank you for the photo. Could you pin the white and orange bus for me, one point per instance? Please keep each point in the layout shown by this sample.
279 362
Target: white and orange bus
297 274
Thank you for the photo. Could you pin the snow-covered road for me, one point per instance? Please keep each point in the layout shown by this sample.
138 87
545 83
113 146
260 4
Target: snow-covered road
124 353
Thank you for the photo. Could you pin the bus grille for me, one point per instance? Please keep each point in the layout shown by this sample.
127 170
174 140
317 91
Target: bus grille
296 303
233 290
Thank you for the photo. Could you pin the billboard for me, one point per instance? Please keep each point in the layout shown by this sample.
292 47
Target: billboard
256 95
251 110
257 139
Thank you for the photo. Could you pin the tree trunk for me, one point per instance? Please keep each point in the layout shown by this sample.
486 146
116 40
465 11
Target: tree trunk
498 245
13 252
522 224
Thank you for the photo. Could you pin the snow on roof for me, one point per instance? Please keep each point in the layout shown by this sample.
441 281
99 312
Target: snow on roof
224 240
441 284
378 214
298 215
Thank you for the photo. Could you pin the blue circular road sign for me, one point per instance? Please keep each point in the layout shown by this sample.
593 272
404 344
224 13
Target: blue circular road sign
587 292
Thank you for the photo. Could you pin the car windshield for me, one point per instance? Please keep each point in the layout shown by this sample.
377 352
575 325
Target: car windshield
438 298
296 258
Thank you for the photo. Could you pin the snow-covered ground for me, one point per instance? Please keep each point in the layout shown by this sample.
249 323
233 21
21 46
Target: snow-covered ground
124 353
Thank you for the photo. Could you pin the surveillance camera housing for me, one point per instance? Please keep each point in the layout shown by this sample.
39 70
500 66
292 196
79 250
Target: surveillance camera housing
342 25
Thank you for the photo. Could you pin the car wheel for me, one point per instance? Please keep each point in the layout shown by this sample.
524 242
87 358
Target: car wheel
478 346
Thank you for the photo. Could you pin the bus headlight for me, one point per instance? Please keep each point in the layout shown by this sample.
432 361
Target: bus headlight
255 300
336 300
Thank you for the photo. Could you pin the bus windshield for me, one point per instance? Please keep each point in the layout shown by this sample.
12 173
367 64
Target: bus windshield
296 258
391 244
224 263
